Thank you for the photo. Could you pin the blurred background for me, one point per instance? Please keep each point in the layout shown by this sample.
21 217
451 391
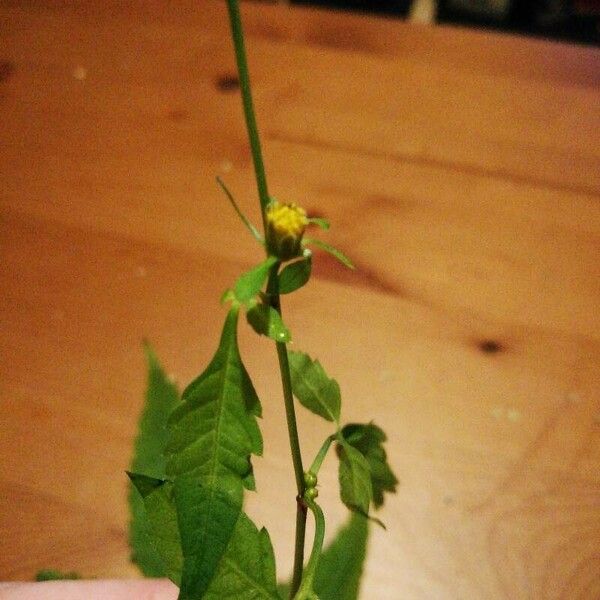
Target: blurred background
571 20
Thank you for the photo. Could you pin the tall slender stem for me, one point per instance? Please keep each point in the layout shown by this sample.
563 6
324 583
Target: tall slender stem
272 290
286 382
290 413
244 76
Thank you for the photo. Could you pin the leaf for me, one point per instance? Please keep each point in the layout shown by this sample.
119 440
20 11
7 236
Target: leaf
265 320
55 575
251 228
161 397
341 564
322 223
247 569
250 283
338 254
220 555
355 478
207 517
295 275
313 388
368 440
163 530
214 431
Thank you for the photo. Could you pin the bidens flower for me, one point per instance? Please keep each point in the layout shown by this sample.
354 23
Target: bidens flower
285 227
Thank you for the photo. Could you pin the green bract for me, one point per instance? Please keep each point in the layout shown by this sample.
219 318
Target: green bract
250 283
296 274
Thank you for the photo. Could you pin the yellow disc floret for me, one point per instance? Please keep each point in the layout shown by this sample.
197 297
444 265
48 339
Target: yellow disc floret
285 227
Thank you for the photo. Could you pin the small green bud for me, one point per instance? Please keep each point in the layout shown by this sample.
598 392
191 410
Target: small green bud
310 479
311 493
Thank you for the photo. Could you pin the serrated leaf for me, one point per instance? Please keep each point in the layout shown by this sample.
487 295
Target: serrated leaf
247 569
163 531
313 388
207 517
265 320
368 440
341 564
161 397
214 431
250 283
295 275
338 254
355 478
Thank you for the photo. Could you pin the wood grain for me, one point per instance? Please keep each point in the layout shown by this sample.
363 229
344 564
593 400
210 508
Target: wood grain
459 169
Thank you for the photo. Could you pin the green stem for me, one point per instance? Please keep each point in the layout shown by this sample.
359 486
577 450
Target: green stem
272 288
290 412
306 589
298 569
244 76
314 468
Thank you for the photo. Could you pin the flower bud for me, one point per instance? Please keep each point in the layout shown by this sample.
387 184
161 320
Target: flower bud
310 479
285 227
311 493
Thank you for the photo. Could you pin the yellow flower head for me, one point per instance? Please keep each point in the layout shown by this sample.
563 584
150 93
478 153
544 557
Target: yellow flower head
285 227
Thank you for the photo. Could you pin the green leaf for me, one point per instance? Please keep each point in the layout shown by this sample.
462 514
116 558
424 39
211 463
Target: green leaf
368 440
355 478
247 569
163 531
161 397
207 518
220 554
313 388
250 283
55 575
265 320
214 431
251 228
322 223
295 275
338 254
341 564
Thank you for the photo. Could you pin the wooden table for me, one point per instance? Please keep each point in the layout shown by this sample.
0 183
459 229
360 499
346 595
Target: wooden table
461 170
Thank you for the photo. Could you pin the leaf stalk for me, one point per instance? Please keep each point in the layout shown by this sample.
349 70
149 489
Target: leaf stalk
305 592
316 465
